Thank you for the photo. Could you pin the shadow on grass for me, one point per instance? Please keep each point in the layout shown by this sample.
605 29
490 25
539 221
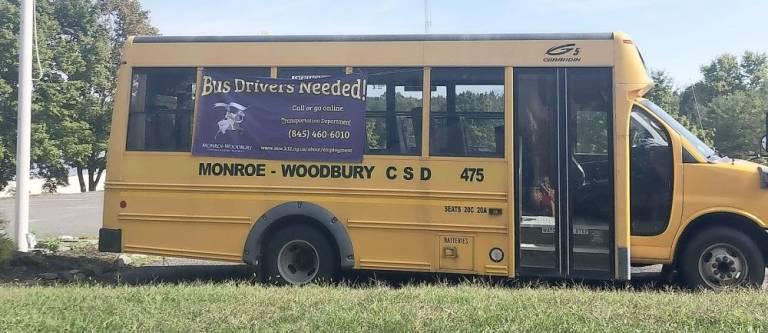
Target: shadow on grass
94 267
363 279
179 274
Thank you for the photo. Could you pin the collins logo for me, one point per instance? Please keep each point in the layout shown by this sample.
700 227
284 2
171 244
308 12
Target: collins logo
563 53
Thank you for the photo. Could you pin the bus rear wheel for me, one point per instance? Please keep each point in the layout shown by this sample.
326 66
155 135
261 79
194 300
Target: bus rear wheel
720 258
298 255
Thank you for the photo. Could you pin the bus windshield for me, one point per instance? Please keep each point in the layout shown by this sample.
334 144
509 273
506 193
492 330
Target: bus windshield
711 154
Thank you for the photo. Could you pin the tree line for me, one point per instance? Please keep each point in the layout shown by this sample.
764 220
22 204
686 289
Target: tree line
727 107
77 53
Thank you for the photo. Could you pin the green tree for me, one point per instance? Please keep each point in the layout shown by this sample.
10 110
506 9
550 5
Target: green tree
45 154
724 75
9 23
755 68
117 19
79 50
732 99
668 98
738 120
663 92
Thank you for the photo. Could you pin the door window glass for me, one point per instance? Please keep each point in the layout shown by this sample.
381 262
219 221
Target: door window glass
564 156
651 174
536 119
590 165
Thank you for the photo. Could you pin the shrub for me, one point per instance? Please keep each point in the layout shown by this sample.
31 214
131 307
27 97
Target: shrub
7 247
53 245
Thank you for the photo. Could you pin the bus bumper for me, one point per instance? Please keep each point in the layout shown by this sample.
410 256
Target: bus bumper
110 240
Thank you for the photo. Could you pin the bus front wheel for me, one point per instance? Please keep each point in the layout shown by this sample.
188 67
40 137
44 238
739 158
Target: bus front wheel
298 255
719 258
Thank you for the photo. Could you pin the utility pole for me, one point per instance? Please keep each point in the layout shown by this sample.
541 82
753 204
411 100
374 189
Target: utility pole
427 18
24 125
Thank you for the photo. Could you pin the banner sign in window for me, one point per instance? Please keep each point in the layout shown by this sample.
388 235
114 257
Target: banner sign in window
315 119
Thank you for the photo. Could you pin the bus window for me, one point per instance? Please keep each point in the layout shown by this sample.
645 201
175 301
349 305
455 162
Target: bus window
651 175
393 112
251 71
467 112
160 115
301 73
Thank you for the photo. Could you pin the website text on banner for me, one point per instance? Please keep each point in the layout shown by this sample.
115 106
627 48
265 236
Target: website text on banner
315 119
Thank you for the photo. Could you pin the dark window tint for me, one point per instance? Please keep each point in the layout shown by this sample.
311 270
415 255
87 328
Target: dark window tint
467 112
393 113
249 71
303 73
589 106
160 117
538 174
563 120
651 175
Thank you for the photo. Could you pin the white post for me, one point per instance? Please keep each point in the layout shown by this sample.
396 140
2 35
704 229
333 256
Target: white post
24 126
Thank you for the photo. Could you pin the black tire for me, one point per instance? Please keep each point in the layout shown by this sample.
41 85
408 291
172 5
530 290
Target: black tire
736 248
306 239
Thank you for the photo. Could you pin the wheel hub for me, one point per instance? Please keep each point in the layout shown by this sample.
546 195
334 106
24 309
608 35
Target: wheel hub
298 262
722 265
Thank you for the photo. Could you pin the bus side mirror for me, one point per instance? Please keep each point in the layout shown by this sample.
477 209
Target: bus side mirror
764 142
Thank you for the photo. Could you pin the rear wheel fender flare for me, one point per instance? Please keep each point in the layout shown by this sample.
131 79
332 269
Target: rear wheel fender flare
322 219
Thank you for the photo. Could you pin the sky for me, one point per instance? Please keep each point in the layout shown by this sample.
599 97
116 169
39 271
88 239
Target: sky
677 36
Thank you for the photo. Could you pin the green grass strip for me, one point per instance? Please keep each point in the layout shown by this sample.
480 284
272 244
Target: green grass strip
231 307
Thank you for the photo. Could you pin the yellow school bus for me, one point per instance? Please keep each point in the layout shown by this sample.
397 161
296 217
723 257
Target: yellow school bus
513 155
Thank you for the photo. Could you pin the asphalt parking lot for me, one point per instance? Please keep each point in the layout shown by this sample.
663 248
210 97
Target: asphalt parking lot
52 215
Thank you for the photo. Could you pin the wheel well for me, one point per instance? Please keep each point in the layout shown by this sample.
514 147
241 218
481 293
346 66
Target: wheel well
728 220
298 220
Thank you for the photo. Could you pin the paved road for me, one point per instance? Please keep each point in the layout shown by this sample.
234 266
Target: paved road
59 214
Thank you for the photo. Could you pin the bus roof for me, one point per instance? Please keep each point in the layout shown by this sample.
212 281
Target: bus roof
372 38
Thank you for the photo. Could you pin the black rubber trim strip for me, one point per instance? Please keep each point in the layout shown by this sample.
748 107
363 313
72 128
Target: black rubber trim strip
624 271
110 240
371 38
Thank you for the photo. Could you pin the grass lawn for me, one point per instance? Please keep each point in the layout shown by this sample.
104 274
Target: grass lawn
232 307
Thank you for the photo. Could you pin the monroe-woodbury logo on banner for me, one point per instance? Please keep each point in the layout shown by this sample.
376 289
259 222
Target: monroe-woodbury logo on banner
316 119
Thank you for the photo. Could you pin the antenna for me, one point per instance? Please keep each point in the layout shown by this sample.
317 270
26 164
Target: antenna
696 105
427 18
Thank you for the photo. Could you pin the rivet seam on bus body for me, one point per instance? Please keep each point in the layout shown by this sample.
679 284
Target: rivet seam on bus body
334 220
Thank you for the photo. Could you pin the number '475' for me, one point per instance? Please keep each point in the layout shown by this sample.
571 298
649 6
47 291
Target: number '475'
472 175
